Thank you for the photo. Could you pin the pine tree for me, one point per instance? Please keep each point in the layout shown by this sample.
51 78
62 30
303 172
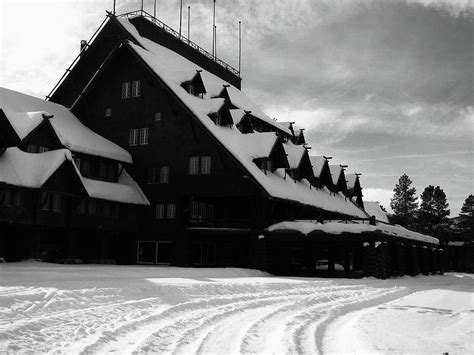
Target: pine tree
403 202
433 211
466 218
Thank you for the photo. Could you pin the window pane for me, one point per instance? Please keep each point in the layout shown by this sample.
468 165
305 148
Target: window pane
45 198
160 211
151 175
193 165
31 148
133 137
164 174
108 112
143 136
171 211
125 90
206 164
42 149
136 88
158 116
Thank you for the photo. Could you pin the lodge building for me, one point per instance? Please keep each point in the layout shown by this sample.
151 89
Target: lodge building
147 151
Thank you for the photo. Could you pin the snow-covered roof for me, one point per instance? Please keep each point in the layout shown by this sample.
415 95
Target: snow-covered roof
318 163
237 115
335 172
30 170
294 154
306 227
125 190
351 181
244 147
25 113
373 209
179 69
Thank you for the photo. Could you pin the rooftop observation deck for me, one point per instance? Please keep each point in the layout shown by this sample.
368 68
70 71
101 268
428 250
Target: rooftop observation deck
180 37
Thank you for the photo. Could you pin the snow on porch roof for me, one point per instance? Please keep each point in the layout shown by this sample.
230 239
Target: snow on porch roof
125 190
244 147
28 169
306 227
25 113
373 209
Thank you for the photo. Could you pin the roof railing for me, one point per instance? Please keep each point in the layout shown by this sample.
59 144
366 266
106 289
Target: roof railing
168 29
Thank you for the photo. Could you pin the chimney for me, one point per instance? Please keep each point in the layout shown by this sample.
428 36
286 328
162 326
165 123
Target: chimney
83 45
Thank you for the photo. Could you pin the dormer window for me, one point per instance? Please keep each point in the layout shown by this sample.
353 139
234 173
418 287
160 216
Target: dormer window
267 164
195 86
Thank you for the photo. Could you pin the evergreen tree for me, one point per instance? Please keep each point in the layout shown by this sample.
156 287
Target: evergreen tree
466 218
403 202
433 211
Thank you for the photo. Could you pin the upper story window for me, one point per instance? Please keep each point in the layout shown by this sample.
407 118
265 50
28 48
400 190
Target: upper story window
143 139
267 165
51 201
33 148
108 112
136 88
200 165
201 212
11 197
157 116
131 89
165 211
133 137
159 174
126 90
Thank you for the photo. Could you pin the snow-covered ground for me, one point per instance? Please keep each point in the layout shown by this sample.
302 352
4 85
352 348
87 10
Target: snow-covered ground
99 309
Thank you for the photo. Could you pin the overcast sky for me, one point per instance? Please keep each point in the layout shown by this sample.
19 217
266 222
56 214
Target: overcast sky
383 86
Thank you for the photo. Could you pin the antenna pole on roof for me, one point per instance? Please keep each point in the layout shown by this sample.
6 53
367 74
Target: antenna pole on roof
114 8
154 9
180 16
214 29
141 8
215 42
240 44
189 23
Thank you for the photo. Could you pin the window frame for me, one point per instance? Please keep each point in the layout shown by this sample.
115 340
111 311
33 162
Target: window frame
126 90
133 137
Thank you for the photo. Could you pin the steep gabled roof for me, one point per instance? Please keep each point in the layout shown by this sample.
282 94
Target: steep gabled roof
31 170
338 177
26 112
353 183
243 148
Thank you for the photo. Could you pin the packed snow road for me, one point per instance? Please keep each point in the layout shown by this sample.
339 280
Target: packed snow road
98 309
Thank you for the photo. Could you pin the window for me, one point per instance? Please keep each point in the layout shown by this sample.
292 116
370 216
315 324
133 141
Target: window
193 165
125 90
164 174
31 148
133 138
17 197
136 90
203 253
45 201
42 149
5 197
51 201
143 136
170 211
267 164
57 199
165 211
151 252
206 164
200 165
108 112
201 212
157 116
160 211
